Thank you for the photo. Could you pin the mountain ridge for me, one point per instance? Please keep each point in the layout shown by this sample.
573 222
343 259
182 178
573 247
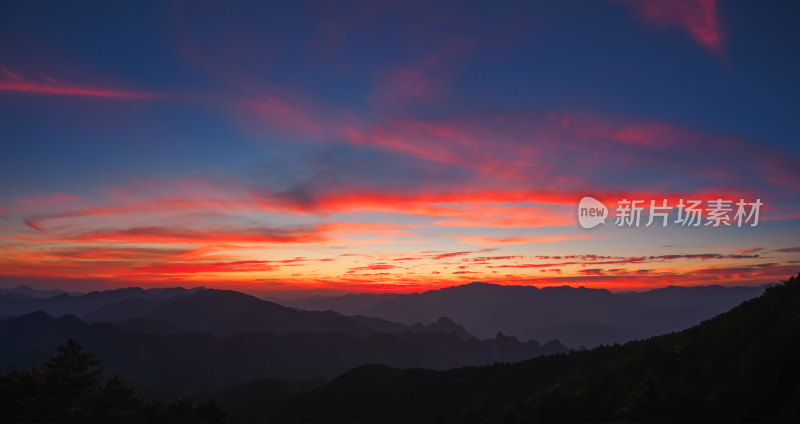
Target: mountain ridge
737 366
579 316
164 366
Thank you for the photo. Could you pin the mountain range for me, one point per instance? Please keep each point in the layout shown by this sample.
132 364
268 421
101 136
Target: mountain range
158 340
250 352
740 366
575 316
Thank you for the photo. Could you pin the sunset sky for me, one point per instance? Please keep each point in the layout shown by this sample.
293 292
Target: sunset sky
393 146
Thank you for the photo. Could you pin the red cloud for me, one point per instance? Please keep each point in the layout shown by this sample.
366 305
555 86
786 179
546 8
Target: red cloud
584 260
469 207
523 149
52 87
176 235
567 150
501 216
372 267
109 253
493 258
424 79
698 17
484 240
204 267
438 256
73 90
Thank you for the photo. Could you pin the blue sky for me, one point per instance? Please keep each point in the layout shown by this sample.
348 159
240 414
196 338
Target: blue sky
164 143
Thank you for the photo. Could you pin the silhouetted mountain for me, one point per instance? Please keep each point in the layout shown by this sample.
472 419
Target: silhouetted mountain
25 292
740 366
224 313
81 304
166 366
125 310
219 312
576 316
443 325
713 296
348 304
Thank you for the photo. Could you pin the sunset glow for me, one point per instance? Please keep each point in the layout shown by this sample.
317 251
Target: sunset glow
362 148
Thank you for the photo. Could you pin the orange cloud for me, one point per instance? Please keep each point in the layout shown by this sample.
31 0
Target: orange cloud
483 240
204 267
176 235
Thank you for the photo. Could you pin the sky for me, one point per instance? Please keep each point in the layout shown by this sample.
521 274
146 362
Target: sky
349 146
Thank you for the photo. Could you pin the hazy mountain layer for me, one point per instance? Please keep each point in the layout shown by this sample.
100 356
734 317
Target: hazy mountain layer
740 366
575 316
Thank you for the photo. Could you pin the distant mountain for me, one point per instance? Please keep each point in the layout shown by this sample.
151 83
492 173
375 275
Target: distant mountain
576 316
740 366
348 304
225 313
25 292
682 297
165 366
80 304
218 312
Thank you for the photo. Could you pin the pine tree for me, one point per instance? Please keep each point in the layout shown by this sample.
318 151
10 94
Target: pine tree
67 389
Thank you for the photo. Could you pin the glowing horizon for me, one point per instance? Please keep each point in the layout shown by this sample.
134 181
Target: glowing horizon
372 150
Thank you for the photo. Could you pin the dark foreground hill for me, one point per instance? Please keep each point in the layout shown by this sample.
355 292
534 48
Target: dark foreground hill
741 366
165 366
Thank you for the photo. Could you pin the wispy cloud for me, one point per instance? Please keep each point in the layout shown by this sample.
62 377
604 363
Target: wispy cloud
698 17
50 86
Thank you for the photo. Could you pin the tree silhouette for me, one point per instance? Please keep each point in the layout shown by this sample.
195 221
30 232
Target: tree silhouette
67 389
